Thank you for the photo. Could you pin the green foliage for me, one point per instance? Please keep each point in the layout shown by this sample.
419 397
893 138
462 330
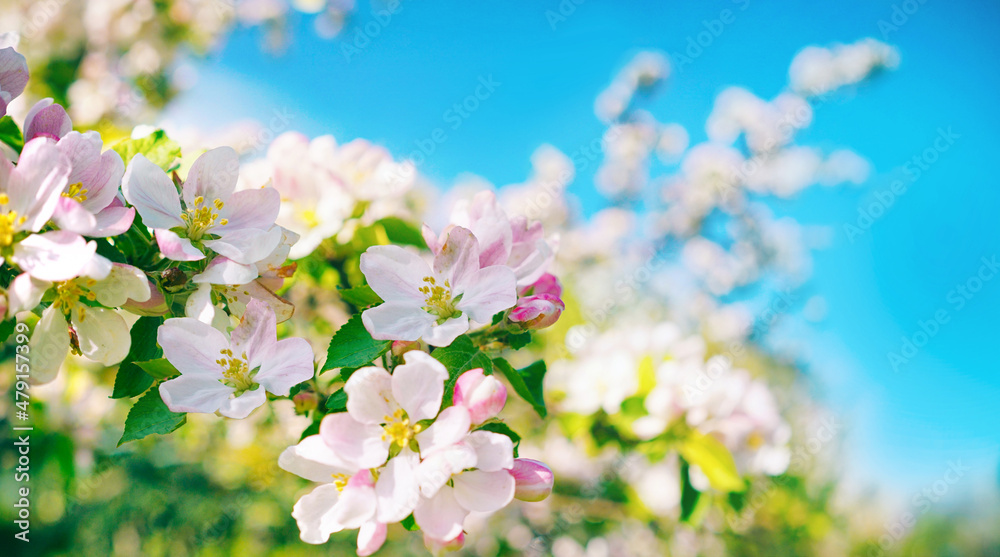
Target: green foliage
360 296
458 357
410 524
352 346
150 415
401 232
131 380
11 134
159 368
157 147
714 459
337 402
527 382
6 328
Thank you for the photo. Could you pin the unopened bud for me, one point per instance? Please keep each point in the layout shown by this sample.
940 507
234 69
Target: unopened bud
482 395
305 401
532 479
538 311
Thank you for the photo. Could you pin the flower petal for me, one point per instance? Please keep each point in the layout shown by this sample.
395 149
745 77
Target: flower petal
46 119
494 451
441 517
112 220
396 489
102 333
446 333
395 274
212 176
436 469
485 492
459 256
241 406
418 385
25 293
357 502
148 188
397 321
222 270
54 256
192 346
49 345
176 248
313 460
312 511
487 292
356 443
98 173
70 215
286 364
245 245
369 395
194 393
255 334
256 208
123 283
449 428
371 536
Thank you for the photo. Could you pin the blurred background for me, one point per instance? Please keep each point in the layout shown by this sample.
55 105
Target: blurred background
873 220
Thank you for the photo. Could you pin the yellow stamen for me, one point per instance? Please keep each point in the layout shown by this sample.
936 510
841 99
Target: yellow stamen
398 429
76 191
200 218
340 480
438 299
236 370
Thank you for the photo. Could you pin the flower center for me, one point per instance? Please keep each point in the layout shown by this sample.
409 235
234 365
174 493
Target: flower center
9 223
755 440
69 293
438 299
201 218
76 191
236 371
398 429
340 480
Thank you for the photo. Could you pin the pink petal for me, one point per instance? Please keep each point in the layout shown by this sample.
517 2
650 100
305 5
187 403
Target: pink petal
241 406
148 188
256 208
396 490
70 215
245 245
312 511
36 184
286 364
487 292
112 221
441 517
222 270
356 443
369 395
313 460
192 346
371 536
176 248
46 119
494 451
398 321
99 173
54 256
459 256
446 333
212 176
48 346
357 503
395 274
255 334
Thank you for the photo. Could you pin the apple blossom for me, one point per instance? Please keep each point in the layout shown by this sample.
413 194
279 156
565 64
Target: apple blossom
538 311
100 333
482 395
533 479
230 374
434 304
13 76
29 194
46 119
208 213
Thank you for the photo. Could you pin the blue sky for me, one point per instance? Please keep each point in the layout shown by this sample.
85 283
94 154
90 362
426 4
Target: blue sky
879 286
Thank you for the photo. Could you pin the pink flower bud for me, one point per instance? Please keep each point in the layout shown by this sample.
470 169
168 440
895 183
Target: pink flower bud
400 347
438 547
305 401
155 305
546 284
537 312
532 479
482 395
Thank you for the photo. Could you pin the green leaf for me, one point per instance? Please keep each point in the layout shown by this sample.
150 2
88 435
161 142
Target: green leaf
159 368
352 346
337 402
689 495
458 357
157 147
714 459
410 524
527 382
6 328
503 429
131 380
105 249
11 134
150 415
519 340
313 429
401 232
360 296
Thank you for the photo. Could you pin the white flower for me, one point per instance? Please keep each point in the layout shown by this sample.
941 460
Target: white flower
230 375
209 212
434 304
